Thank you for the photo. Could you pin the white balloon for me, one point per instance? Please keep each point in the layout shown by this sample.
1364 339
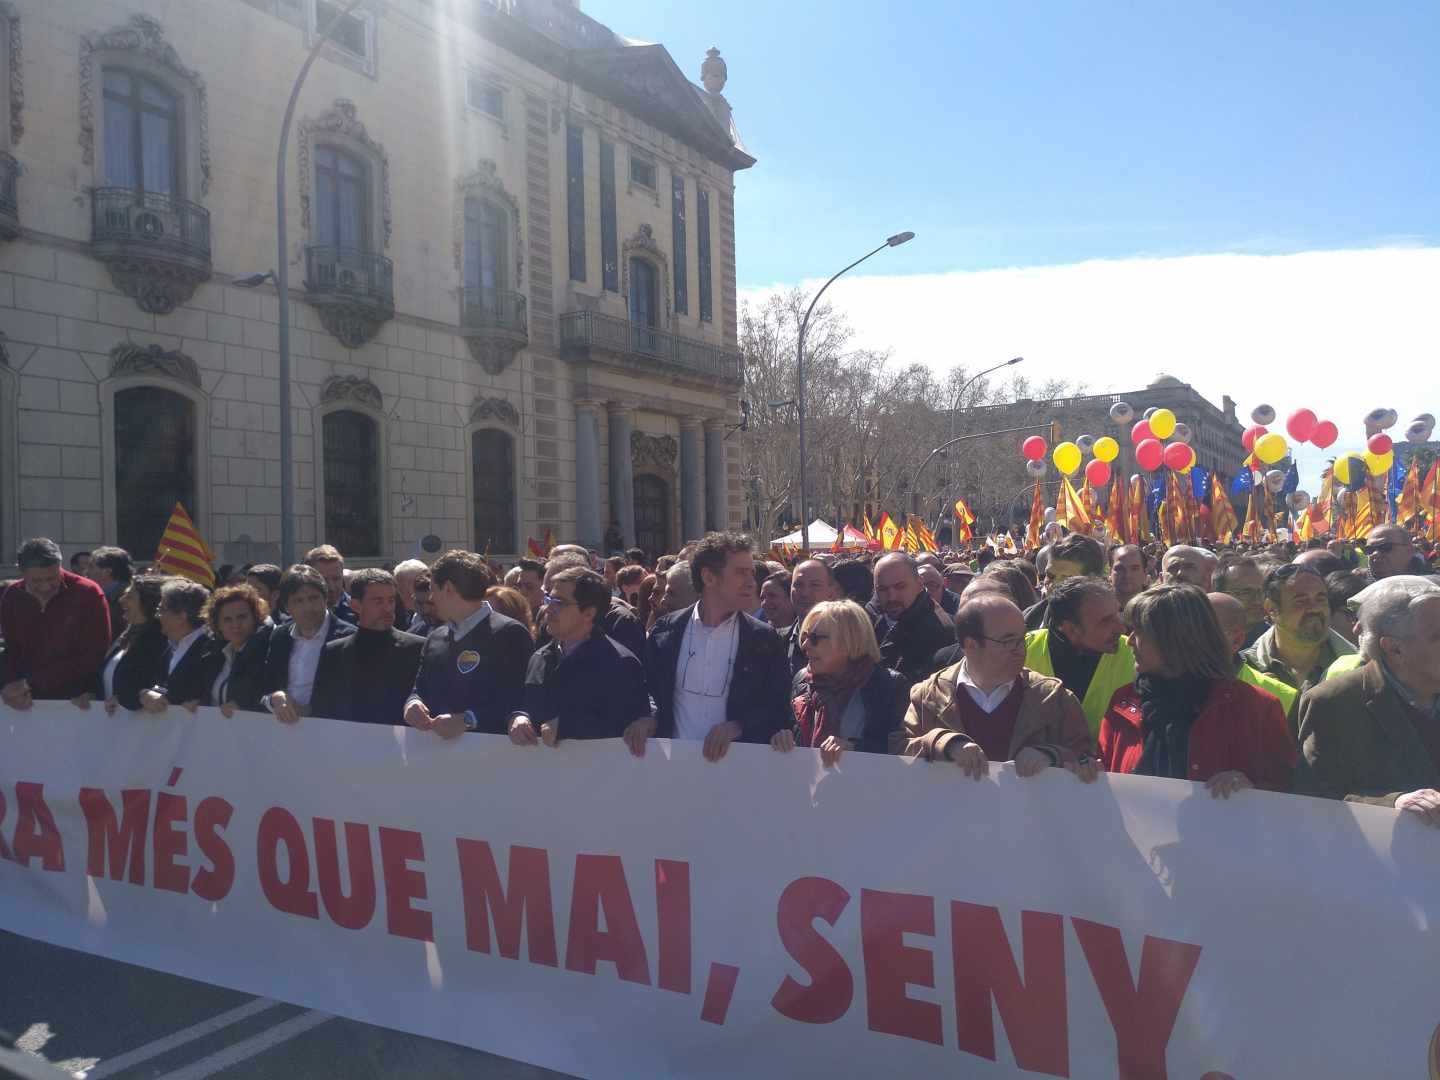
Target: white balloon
1086 443
1297 500
1150 412
1121 413
1182 433
1275 480
1049 514
1263 415
1035 468
1419 432
1376 418
1134 479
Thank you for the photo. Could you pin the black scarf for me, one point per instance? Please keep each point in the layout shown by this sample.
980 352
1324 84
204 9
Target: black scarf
1075 668
1168 706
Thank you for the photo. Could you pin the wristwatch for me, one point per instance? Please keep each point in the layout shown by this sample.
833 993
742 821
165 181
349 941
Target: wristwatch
471 724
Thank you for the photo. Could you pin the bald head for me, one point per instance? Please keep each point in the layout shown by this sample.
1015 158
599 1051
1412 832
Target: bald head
1230 613
1187 565
1390 550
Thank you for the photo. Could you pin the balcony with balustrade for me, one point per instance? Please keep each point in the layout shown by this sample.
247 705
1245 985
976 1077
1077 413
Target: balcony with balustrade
352 290
591 336
495 326
155 245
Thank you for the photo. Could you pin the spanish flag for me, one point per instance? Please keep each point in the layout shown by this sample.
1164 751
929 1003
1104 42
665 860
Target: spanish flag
1070 509
1037 519
963 520
183 552
890 533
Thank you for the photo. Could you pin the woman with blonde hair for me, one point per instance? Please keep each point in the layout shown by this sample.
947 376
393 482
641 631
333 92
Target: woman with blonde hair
844 698
512 604
1186 716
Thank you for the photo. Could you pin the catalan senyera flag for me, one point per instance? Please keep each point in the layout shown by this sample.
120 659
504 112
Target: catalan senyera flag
963 520
1253 526
1037 519
925 536
1222 512
1070 510
1090 502
1407 507
182 550
535 548
1430 500
889 533
1139 512
1117 521
870 533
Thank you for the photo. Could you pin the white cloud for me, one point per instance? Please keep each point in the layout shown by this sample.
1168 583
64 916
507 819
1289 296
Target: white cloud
1339 332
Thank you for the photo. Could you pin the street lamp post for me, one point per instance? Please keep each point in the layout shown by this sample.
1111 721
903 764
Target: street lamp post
281 277
955 408
893 241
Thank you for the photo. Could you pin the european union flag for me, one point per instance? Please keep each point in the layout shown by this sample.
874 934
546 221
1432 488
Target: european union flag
1157 492
1242 483
1292 481
1200 482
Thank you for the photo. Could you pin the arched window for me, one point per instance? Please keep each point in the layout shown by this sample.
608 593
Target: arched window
652 514
352 482
142 133
487 227
342 199
492 460
154 464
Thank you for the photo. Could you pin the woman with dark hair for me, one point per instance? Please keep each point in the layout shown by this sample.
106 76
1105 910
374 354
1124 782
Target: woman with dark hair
1186 716
136 660
234 613
512 604
1016 582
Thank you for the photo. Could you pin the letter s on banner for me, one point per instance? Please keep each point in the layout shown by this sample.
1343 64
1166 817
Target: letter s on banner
832 987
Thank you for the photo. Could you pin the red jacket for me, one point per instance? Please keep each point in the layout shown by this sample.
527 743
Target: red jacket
60 648
1239 727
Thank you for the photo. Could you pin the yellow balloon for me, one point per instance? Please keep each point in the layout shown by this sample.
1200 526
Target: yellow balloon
1342 468
1106 449
1162 423
1379 464
1271 448
1067 457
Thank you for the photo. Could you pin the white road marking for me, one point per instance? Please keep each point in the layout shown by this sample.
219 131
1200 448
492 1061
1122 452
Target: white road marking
248 1048
111 1066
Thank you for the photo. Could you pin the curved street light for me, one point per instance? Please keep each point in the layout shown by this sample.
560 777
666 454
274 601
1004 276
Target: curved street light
893 241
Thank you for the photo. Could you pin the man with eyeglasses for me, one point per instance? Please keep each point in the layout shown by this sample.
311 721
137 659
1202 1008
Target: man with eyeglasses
1243 579
583 684
1299 646
716 674
1084 646
990 707
1391 551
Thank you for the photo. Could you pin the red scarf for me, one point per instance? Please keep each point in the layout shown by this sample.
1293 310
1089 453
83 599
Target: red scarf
819 709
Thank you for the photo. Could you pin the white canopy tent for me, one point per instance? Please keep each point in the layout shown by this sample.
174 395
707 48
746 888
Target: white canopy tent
821 536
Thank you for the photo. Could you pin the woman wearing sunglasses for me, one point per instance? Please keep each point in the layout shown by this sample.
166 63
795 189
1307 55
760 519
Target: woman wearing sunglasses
844 698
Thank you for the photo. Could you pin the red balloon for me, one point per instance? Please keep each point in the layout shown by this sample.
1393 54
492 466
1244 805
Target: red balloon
1097 473
1140 432
1380 444
1033 448
1325 434
1177 455
1149 455
1251 434
1301 425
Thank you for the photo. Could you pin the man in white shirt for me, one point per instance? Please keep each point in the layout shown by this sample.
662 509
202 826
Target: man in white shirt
716 673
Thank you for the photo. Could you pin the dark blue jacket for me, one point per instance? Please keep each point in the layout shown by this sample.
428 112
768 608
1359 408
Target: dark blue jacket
759 695
482 673
142 666
595 692
264 666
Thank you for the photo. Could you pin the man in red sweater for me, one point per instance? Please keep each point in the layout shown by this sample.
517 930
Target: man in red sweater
56 627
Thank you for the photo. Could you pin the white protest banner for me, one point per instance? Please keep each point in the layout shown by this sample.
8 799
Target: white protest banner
613 917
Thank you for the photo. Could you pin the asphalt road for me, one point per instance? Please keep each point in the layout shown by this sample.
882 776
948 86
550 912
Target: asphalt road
100 1018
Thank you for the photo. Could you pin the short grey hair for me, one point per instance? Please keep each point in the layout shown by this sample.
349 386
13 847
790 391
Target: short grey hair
1205 555
38 553
1387 609
185 597
410 566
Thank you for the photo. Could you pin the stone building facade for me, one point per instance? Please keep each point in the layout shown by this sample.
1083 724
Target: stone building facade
512 277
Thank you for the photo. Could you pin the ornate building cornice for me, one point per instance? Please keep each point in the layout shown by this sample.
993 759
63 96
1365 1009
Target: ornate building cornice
341 120
145 37
495 408
127 358
354 388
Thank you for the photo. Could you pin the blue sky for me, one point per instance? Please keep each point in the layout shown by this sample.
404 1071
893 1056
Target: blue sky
1028 134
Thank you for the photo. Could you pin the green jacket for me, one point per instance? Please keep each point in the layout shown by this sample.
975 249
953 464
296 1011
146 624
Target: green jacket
1115 670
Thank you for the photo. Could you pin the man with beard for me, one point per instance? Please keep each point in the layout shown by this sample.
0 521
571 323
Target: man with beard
1127 573
1230 614
1299 646
1084 645
909 630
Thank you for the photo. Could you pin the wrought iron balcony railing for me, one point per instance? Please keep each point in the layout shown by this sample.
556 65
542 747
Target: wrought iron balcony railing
493 309
587 330
357 275
148 222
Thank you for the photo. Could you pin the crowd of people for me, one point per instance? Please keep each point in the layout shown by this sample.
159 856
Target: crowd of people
1312 671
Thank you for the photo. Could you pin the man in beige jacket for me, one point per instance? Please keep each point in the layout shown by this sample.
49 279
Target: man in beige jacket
989 706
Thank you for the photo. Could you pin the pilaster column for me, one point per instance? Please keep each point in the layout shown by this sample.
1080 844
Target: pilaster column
692 480
588 528
716 503
622 468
